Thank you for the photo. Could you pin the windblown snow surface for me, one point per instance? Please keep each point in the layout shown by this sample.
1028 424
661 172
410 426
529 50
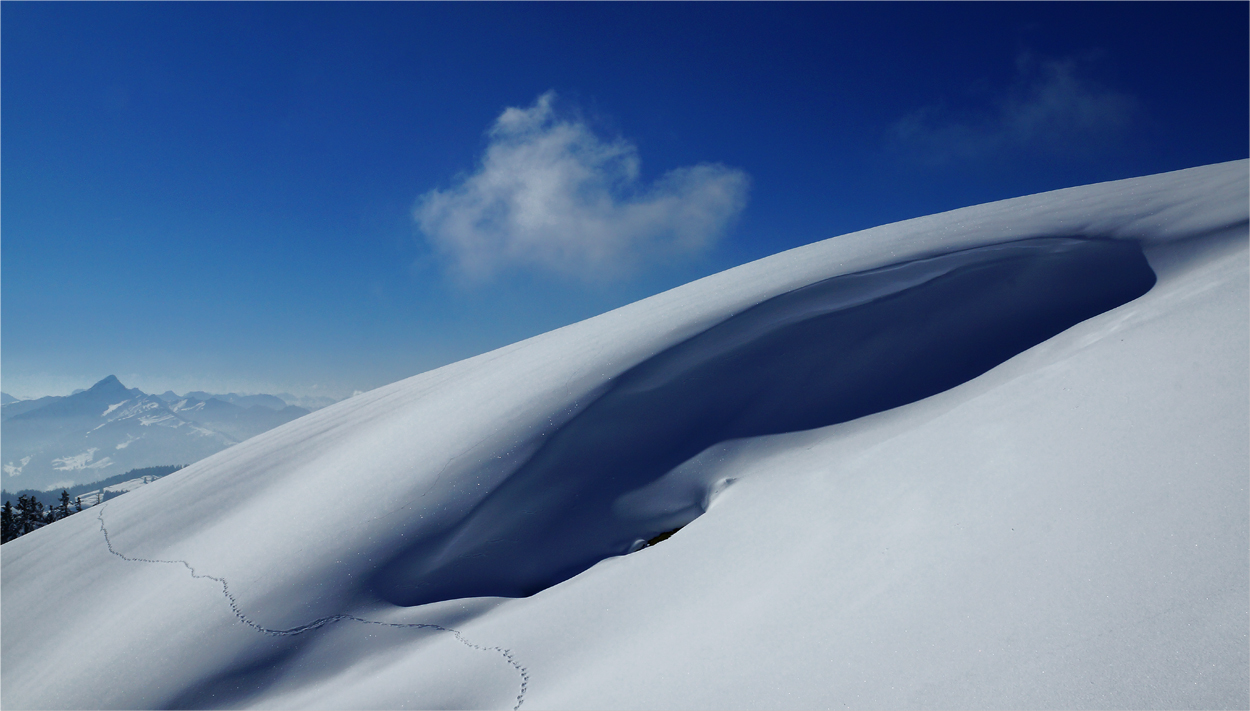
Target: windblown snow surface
995 457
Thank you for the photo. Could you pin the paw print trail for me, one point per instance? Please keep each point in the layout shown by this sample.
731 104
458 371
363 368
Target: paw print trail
507 654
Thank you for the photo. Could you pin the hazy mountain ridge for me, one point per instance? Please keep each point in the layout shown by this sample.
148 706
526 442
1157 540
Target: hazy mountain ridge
271 402
95 492
64 441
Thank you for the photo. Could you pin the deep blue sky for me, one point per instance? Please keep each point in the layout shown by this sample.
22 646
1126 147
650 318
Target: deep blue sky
221 196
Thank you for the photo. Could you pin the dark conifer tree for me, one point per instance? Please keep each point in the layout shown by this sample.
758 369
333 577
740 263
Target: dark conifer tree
62 509
23 515
77 504
35 520
8 524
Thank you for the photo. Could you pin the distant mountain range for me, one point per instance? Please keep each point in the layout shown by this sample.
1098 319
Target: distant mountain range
109 428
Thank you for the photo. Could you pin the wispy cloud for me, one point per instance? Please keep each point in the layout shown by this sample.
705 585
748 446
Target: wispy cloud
551 194
1052 107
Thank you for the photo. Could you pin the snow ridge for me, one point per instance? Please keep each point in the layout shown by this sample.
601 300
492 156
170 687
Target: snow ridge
322 622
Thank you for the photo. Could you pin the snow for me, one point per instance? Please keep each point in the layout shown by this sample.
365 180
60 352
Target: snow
1055 521
130 439
147 420
83 460
16 469
93 498
113 407
181 406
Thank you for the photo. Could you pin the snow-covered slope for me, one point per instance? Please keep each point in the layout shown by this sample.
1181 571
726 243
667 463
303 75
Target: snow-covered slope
995 457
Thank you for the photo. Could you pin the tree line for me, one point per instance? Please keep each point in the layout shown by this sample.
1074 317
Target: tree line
30 515
92 490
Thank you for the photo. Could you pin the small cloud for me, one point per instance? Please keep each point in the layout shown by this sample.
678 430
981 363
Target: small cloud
1051 107
551 194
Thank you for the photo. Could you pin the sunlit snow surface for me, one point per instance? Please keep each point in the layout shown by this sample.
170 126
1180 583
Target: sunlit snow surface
1065 529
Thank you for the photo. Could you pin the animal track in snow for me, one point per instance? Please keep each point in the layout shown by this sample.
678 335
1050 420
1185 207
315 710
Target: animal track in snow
324 621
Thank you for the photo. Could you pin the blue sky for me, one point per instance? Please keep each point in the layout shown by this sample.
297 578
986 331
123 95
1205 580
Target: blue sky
322 198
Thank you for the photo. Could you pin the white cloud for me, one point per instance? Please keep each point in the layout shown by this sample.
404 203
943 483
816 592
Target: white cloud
552 195
1052 107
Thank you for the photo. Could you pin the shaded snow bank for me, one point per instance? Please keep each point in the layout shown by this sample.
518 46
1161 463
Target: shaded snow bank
834 351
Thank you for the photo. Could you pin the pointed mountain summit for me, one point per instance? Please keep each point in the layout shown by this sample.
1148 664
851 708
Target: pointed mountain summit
109 383
91 402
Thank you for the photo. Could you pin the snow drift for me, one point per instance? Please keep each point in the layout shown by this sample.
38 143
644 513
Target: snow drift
990 458
839 349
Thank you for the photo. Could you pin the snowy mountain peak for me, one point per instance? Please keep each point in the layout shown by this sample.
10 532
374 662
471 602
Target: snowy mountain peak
108 384
110 427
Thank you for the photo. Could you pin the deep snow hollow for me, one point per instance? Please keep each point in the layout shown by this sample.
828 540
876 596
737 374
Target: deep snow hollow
840 349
